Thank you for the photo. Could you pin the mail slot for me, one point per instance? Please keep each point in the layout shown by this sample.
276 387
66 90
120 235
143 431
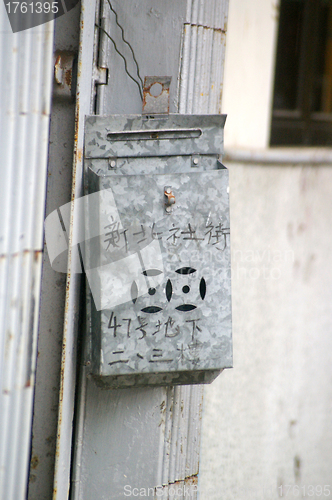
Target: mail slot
157 250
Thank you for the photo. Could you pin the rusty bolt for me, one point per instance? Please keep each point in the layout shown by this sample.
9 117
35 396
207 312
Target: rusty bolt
169 199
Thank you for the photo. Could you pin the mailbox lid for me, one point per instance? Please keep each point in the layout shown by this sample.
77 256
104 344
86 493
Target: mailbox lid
169 135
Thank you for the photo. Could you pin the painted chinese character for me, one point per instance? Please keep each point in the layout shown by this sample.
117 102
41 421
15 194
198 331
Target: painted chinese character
191 234
193 321
169 328
157 357
174 234
142 232
141 327
182 352
219 235
128 326
120 351
115 324
158 326
119 361
190 352
113 236
155 235
210 228
125 240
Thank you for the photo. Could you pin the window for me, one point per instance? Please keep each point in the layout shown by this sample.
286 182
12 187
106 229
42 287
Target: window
302 104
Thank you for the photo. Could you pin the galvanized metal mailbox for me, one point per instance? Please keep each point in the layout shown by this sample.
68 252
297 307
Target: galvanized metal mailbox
157 252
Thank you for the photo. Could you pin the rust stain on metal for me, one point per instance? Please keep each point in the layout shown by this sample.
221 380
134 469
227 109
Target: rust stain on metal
169 197
68 77
32 478
192 480
208 27
188 485
79 154
156 101
77 159
63 72
37 253
9 338
34 462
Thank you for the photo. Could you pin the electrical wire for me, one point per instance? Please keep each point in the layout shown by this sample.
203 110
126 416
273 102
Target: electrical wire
124 59
125 41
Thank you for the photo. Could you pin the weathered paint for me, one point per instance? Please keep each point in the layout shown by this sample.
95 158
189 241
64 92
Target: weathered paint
25 99
63 86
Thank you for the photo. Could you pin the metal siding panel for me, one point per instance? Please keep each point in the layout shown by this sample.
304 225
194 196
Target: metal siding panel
25 97
203 59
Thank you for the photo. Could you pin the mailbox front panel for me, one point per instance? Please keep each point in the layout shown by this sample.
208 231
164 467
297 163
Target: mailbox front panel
160 279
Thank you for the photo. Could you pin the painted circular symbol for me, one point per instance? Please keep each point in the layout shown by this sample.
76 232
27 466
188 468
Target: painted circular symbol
183 271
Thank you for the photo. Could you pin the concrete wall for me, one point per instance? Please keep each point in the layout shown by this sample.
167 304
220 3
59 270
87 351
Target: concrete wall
267 422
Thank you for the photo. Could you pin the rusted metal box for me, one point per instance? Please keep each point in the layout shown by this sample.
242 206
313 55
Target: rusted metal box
157 250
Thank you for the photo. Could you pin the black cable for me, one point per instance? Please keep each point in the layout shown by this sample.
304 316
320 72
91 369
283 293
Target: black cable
125 41
124 60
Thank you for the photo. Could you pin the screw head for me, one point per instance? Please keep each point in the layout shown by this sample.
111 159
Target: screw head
168 210
195 161
112 163
168 190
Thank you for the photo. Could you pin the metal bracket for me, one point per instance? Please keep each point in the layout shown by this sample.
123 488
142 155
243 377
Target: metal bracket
156 95
65 66
100 70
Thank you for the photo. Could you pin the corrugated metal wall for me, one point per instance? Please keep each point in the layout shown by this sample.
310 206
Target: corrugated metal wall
203 57
25 97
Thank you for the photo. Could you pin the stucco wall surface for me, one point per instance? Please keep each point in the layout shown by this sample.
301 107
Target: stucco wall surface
267 422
